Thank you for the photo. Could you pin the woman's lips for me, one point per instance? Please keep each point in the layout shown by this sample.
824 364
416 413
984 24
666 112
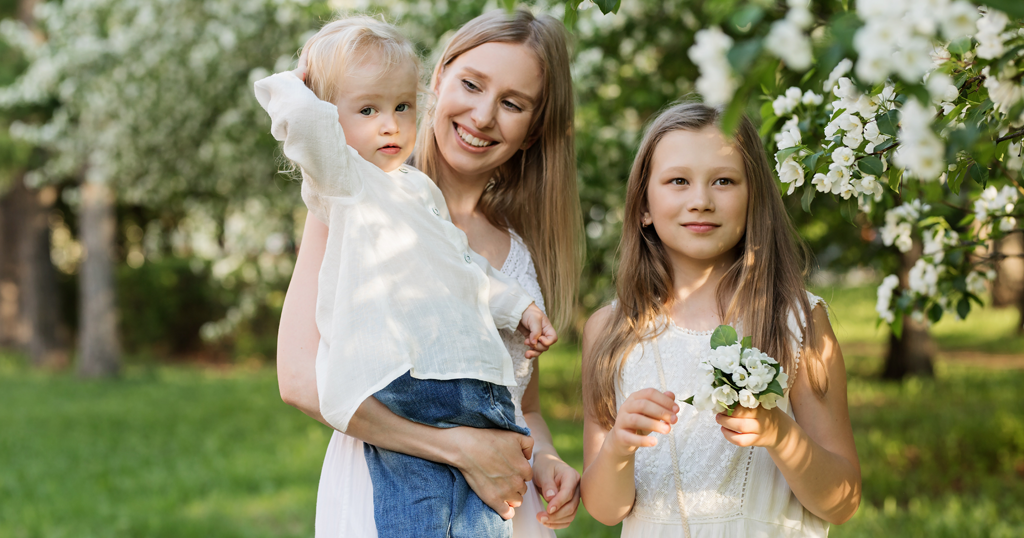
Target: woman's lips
472 141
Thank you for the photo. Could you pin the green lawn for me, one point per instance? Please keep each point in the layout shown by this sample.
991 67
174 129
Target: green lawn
183 451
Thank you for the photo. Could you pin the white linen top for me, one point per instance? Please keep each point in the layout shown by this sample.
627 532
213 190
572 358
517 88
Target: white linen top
399 288
726 490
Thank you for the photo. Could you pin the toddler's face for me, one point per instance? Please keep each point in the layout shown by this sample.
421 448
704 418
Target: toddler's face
377 110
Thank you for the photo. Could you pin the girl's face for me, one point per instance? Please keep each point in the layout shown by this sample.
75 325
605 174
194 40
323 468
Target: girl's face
697 195
486 100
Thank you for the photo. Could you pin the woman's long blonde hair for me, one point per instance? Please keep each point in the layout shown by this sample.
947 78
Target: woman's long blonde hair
762 288
534 192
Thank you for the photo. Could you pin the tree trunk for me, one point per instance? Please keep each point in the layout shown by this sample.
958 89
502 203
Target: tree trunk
911 354
12 323
40 300
98 339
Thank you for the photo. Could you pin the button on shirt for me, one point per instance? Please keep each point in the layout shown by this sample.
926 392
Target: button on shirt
399 288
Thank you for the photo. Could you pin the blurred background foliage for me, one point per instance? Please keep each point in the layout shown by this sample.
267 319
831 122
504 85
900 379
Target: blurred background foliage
206 232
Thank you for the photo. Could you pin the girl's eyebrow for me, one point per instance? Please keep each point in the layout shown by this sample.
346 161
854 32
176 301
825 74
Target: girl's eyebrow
515 93
686 170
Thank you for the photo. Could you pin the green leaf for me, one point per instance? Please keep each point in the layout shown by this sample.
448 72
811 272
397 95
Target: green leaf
895 177
743 54
871 165
978 174
608 6
935 313
724 335
571 14
784 154
747 342
848 209
960 46
774 387
969 218
1013 8
688 400
897 325
811 161
746 17
888 123
510 4
808 197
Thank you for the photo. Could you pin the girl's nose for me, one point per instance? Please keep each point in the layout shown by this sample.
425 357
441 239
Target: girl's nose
700 199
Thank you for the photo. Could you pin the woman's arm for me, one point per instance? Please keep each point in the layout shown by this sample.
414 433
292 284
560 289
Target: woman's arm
816 453
607 486
556 480
494 462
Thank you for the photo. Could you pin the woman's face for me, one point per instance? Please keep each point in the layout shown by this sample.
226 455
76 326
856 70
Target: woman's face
486 100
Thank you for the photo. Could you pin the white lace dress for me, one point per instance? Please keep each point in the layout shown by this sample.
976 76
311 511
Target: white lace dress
725 490
344 502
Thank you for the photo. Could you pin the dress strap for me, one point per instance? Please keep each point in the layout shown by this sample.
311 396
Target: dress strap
672 445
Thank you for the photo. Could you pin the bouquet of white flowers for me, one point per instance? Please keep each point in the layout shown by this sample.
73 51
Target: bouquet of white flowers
737 374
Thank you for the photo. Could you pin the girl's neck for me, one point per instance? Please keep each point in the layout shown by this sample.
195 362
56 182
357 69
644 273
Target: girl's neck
693 302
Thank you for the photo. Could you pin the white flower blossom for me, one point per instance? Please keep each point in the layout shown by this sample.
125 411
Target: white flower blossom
747 399
716 81
885 290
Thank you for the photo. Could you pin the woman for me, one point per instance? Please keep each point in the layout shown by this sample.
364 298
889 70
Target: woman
499 144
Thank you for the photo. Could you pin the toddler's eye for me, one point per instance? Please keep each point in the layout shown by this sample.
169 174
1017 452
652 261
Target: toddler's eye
367 111
402 107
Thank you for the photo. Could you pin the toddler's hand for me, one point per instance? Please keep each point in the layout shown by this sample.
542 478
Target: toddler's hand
644 411
540 335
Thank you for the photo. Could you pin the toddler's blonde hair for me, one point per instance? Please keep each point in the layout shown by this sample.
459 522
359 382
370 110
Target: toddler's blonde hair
346 43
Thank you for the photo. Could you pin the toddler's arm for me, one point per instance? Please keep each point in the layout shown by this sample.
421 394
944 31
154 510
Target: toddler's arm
313 139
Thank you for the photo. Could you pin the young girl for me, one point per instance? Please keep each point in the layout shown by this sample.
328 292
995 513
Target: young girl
406 312
706 241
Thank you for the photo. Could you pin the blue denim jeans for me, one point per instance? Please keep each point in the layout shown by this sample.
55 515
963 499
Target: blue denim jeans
413 497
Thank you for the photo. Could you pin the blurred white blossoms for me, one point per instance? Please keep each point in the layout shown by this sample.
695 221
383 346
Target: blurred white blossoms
883 306
786 38
990 34
920 151
999 203
899 224
716 81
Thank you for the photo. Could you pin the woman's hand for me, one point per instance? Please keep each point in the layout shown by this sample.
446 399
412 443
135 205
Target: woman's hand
754 427
644 411
559 483
496 465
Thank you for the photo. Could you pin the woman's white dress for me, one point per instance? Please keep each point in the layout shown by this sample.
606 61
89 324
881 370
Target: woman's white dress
344 502
724 490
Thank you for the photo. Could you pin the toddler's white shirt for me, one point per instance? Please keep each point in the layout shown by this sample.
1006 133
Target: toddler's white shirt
399 288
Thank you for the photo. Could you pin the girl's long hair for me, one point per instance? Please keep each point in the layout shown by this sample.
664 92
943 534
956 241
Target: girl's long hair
535 191
761 289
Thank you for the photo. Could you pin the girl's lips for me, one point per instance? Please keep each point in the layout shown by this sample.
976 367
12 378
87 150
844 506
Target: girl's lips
390 150
700 227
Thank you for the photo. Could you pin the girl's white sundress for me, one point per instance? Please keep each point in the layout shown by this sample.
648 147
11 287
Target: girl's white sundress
344 501
717 489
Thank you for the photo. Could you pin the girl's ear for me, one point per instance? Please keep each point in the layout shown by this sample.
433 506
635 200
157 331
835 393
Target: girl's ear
646 219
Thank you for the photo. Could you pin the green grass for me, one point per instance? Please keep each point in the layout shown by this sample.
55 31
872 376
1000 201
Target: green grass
183 451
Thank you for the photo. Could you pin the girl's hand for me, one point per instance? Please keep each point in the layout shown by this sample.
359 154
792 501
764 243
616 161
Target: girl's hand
754 427
540 335
559 483
496 465
643 412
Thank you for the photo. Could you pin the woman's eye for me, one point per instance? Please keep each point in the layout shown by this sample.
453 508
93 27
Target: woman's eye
402 107
470 86
511 106
366 111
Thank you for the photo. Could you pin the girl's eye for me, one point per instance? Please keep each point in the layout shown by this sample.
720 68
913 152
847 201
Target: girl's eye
723 181
367 111
679 181
511 106
470 86
402 107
